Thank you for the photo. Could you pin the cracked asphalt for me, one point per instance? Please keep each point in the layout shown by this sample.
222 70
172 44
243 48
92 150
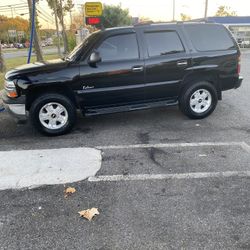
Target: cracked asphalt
209 213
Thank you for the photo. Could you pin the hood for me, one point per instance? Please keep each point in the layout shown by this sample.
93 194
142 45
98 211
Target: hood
36 67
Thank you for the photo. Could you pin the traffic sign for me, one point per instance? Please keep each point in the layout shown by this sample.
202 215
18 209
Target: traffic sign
12 33
93 9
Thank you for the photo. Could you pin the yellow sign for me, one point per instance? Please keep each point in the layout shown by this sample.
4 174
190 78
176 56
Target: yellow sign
93 9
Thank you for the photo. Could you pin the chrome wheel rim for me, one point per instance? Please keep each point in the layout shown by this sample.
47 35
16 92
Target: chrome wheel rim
200 101
53 115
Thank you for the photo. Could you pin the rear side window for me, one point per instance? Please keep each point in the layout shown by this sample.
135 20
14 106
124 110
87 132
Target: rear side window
163 43
119 47
207 37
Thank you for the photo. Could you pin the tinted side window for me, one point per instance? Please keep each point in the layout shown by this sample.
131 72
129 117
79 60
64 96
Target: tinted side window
120 47
163 42
207 37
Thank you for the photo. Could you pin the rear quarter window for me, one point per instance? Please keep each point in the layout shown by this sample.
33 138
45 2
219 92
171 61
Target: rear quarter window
208 37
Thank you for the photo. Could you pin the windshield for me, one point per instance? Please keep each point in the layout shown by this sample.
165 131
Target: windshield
85 43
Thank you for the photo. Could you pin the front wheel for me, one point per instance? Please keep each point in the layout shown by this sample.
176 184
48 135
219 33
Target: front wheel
53 114
198 100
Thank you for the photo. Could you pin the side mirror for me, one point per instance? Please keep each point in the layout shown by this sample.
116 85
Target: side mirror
94 58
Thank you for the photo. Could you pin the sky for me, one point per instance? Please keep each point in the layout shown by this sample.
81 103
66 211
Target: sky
155 9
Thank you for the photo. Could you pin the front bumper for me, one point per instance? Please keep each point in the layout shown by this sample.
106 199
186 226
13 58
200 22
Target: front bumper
15 106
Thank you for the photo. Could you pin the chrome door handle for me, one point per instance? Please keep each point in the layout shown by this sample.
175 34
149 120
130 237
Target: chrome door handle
137 68
182 63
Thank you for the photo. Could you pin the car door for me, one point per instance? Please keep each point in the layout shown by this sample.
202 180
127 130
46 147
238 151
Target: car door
165 63
119 78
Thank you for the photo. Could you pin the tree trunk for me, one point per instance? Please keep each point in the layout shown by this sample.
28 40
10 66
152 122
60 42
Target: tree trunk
64 35
57 29
36 41
2 64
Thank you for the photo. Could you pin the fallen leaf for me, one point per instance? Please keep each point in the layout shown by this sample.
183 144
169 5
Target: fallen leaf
68 191
89 213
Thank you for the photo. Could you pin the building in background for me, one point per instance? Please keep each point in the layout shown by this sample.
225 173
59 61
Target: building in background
238 25
81 34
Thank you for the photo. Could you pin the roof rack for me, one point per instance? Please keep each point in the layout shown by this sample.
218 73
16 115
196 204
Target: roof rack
201 20
144 23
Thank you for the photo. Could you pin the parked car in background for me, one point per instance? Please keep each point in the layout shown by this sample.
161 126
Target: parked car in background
128 68
245 44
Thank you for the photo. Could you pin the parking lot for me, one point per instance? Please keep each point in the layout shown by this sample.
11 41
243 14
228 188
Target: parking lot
165 182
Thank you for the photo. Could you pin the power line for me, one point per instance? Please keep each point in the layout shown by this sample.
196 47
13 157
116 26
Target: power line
49 21
13 6
45 14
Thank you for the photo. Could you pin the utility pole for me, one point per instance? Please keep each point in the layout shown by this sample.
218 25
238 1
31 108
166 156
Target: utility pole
206 6
11 11
70 13
12 16
57 29
173 10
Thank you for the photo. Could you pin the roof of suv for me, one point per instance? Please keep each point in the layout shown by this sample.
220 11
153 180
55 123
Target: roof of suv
155 24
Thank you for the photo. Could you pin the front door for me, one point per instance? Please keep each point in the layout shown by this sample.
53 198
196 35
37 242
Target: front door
118 79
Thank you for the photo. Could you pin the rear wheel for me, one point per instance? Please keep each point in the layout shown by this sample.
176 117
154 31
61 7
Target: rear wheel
53 114
198 100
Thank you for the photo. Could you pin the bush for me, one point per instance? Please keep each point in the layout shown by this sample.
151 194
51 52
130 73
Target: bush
71 41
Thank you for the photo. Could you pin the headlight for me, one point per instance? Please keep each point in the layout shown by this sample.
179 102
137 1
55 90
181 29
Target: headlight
10 89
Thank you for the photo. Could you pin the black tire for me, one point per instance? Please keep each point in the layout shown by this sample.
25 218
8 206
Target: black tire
44 99
184 100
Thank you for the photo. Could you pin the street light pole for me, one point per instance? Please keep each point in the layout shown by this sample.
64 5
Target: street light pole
173 10
206 6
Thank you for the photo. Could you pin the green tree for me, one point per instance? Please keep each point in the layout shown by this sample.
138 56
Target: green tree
185 17
16 23
225 11
114 16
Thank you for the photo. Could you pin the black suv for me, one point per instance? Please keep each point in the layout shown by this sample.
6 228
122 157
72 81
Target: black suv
128 68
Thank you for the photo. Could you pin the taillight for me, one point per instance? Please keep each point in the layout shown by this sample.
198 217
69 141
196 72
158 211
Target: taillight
238 65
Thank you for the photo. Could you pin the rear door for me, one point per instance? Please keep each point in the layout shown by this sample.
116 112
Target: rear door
119 78
166 60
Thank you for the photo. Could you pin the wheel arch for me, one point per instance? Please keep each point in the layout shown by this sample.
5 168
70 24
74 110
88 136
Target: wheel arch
194 77
33 93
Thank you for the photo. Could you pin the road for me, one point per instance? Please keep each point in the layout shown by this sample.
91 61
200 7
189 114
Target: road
165 182
24 53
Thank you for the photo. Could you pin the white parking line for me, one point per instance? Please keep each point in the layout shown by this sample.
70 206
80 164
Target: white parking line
245 146
144 177
174 145
32 168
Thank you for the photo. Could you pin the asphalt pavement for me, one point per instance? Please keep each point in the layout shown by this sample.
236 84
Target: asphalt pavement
165 182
